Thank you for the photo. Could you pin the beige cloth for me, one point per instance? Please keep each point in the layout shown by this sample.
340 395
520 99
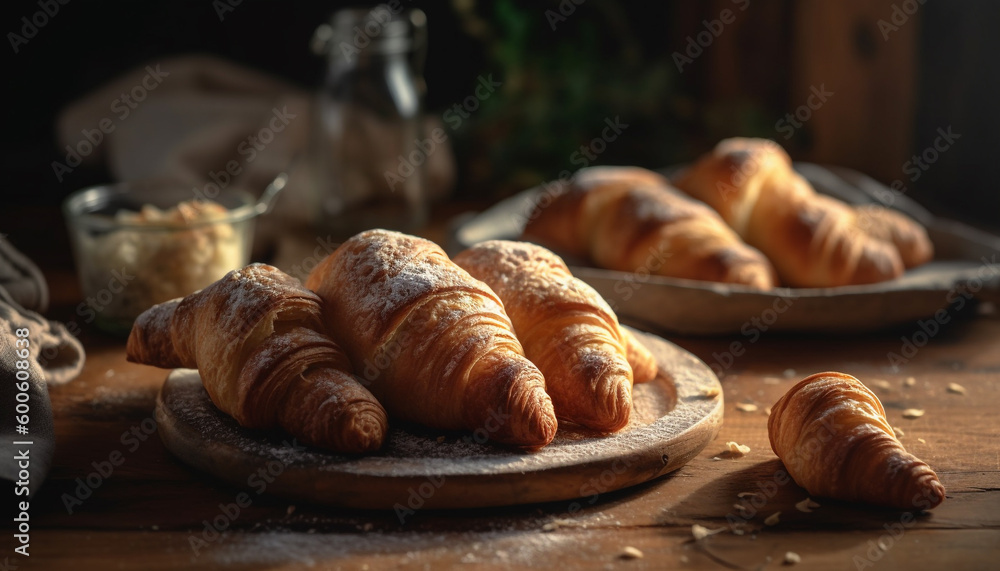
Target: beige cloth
195 113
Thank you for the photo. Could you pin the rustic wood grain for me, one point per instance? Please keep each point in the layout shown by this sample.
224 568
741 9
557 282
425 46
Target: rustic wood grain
144 515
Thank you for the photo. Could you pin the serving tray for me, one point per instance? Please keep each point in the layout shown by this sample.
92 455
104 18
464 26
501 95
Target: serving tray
674 417
966 269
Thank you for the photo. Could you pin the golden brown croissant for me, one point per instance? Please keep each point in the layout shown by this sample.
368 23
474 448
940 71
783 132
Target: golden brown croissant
644 367
434 342
630 219
566 328
257 340
831 433
813 240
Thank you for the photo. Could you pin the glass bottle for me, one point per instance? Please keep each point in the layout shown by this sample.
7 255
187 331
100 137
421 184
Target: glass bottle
366 155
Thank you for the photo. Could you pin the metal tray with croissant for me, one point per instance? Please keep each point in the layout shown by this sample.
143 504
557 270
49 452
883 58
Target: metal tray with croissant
745 241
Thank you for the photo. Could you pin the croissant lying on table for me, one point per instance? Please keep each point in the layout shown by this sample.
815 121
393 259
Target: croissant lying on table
813 240
567 330
257 340
630 219
831 433
445 351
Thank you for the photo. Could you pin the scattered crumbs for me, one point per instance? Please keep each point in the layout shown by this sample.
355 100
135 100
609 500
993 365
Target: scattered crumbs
791 558
806 506
742 495
881 384
773 519
440 439
684 559
629 552
913 413
738 450
502 555
709 393
771 380
154 527
956 388
367 527
898 432
290 510
109 373
742 509
737 531
789 373
882 545
746 407
701 532
716 458
556 524
767 411
909 381
922 441
468 558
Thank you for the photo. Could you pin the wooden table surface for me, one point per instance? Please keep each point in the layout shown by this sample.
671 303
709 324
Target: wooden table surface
151 512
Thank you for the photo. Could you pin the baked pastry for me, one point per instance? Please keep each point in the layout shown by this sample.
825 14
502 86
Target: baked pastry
566 328
257 340
813 240
831 433
644 367
435 343
629 219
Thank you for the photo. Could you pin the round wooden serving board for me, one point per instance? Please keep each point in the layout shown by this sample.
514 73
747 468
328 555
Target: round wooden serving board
673 418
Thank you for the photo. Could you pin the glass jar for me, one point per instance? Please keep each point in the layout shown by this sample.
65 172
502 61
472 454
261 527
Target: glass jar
140 243
366 154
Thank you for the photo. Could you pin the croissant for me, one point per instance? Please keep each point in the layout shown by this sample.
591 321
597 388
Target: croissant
644 367
566 328
813 240
831 433
256 337
433 341
629 219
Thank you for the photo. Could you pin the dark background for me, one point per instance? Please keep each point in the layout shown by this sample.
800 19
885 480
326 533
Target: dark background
606 58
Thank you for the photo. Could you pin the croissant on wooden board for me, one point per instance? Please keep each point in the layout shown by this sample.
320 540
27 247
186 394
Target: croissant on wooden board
630 219
566 328
257 340
444 351
831 433
813 240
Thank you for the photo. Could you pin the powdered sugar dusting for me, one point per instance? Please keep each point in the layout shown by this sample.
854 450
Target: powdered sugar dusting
419 452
